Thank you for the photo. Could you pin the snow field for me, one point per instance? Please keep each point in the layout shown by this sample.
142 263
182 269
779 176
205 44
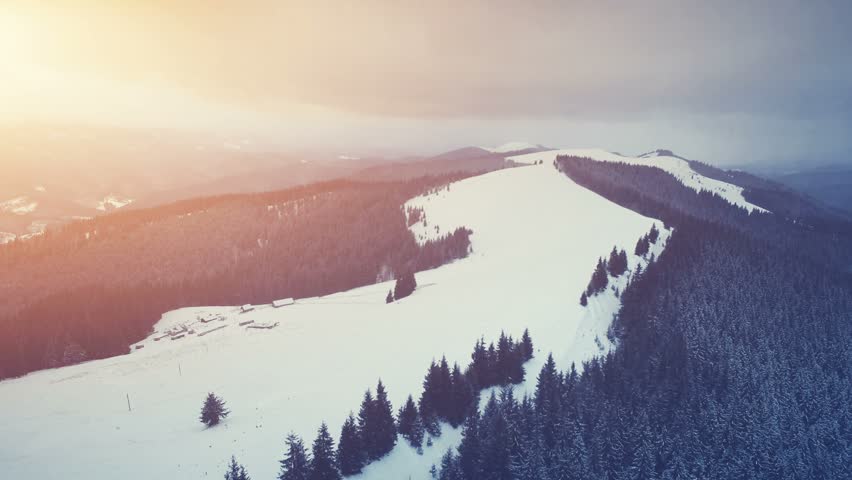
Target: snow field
537 237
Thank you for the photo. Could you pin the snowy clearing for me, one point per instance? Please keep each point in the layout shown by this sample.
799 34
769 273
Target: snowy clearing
679 168
537 237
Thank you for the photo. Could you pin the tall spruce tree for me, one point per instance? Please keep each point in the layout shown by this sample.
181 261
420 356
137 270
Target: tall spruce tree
496 448
462 397
350 451
409 424
385 427
470 448
526 345
367 426
295 465
323 464
213 410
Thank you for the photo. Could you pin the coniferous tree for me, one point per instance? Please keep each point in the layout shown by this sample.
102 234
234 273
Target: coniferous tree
653 234
350 452
323 465
428 402
213 410
642 246
600 278
449 467
236 471
496 458
526 346
462 397
470 448
617 262
295 465
404 286
367 426
409 424
584 299
389 298
385 427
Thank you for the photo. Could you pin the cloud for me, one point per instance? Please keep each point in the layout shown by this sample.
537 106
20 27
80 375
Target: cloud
373 64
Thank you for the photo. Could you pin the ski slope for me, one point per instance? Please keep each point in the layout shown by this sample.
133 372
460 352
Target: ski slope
537 237
678 167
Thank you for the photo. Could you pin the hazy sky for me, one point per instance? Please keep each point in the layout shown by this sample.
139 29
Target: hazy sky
719 81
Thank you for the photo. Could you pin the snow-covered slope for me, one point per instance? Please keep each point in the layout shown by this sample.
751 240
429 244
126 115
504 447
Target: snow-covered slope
662 159
537 237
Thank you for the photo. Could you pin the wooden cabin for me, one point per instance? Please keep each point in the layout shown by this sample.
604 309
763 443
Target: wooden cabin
283 302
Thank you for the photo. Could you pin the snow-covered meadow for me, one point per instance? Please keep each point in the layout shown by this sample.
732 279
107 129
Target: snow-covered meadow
537 237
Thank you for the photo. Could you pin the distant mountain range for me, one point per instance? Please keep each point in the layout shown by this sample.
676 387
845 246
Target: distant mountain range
57 175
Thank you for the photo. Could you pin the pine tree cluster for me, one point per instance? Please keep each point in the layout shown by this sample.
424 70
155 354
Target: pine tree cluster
449 394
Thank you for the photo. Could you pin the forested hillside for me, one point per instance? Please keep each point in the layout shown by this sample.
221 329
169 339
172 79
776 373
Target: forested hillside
93 287
734 357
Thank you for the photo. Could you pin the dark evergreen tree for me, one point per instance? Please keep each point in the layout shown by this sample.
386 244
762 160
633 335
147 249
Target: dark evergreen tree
213 410
367 426
600 278
236 471
404 286
462 397
409 424
654 234
617 262
470 448
642 246
323 464
449 467
584 299
496 448
526 346
389 298
295 465
385 427
350 451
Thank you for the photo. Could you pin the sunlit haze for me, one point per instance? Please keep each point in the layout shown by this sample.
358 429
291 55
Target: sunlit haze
726 82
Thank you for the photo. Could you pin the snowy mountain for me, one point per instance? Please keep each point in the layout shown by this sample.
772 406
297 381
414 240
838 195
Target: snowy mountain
662 159
514 147
307 368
